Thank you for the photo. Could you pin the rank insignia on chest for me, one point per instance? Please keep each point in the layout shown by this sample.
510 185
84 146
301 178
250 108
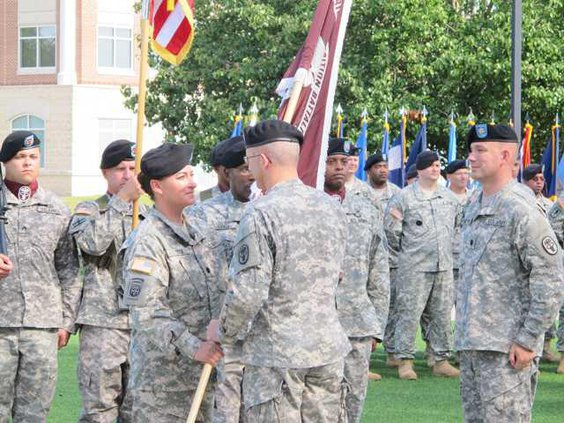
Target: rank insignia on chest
24 193
143 265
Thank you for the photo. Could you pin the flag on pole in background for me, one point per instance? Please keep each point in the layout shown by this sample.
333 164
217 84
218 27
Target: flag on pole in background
419 145
172 28
452 140
238 125
550 159
386 136
526 146
316 66
396 157
253 118
361 144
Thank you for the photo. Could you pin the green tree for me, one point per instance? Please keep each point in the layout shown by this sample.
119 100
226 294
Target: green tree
445 55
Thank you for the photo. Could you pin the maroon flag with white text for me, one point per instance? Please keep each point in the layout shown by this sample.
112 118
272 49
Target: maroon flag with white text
316 66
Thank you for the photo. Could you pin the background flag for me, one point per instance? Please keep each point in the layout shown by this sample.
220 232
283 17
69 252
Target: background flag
386 136
550 161
452 140
396 158
419 145
253 118
316 66
339 133
172 28
361 143
238 125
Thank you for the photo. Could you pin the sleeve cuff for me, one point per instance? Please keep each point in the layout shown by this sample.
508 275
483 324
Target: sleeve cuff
187 344
527 340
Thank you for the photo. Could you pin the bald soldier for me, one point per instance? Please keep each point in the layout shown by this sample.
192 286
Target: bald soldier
363 293
41 293
222 215
171 290
285 288
420 222
99 228
510 285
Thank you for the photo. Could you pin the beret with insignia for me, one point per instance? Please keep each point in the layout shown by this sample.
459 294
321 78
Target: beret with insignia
16 141
492 133
373 159
411 172
340 146
531 171
269 131
456 165
116 152
426 159
166 160
233 153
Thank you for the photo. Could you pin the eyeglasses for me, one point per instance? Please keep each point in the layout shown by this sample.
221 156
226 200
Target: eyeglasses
246 158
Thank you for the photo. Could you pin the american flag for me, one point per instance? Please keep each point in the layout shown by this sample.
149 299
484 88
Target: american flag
172 27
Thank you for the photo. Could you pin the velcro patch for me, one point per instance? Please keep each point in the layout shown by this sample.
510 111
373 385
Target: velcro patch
549 245
143 265
82 212
133 292
246 253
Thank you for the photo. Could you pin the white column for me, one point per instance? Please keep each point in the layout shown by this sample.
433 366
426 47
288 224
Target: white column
67 43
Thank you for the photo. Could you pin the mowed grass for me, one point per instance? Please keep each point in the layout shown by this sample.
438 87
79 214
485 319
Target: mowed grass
427 400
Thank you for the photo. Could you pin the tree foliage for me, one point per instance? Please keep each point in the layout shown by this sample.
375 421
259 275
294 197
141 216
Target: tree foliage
449 56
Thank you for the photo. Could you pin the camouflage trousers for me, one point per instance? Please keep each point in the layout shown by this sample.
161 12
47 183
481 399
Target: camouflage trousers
228 391
150 406
357 363
560 333
276 395
418 292
28 374
103 369
492 391
388 341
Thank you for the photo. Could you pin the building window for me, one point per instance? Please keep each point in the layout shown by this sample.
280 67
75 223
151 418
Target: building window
112 129
38 46
35 125
115 48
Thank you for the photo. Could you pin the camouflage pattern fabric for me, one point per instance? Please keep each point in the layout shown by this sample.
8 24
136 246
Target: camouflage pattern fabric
357 364
556 219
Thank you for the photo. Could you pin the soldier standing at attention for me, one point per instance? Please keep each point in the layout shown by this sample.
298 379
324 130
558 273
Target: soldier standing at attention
510 285
352 183
377 171
41 293
420 223
171 293
284 284
99 229
222 178
364 292
222 215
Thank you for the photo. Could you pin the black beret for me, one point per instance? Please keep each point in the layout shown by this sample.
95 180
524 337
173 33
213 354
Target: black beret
16 141
531 171
372 160
492 133
339 146
425 159
217 151
233 153
116 152
456 165
269 131
411 172
166 160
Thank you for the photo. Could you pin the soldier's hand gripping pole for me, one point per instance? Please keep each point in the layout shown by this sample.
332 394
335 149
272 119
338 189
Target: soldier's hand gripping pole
200 392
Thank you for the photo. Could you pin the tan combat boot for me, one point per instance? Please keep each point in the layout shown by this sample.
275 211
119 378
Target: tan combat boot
374 376
443 368
391 361
547 355
405 370
560 369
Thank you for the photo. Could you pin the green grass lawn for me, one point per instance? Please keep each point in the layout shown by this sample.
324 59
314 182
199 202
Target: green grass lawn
427 400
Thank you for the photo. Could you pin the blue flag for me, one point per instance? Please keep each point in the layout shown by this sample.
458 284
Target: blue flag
396 164
419 145
361 145
452 141
238 128
550 162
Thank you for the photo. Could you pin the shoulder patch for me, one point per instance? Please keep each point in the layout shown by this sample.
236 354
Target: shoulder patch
143 265
549 245
133 292
82 212
246 253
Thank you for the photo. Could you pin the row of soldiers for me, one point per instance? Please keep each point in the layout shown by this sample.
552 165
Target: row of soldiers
287 294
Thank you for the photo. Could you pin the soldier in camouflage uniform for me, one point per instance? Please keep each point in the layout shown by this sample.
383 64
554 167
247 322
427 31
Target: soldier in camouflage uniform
420 223
169 287
352 183
285 287
99 229
363 293
222 215
222 178
41 293
511 279
556 220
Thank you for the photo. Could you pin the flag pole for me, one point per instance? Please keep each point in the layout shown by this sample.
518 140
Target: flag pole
293 102
143 65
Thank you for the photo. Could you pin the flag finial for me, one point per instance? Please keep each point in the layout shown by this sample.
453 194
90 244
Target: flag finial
339 109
